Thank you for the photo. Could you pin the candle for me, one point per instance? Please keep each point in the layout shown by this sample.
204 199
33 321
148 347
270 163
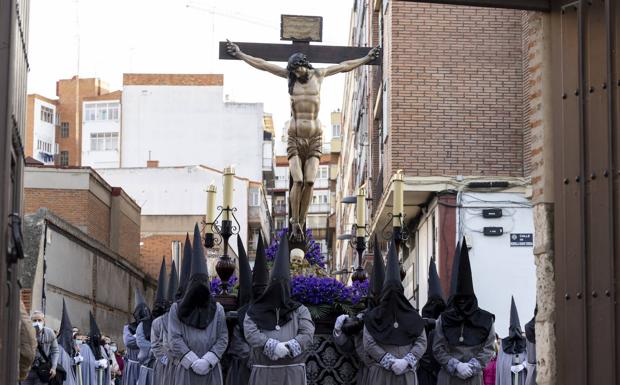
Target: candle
361 212
211 214
229 177
398 208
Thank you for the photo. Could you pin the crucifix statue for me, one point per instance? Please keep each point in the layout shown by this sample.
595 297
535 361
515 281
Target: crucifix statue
305 135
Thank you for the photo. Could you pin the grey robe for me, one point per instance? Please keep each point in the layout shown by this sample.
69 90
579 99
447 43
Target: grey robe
159 331
444 353
145 356
90 373
183 338
132 365
378 374
503 375
531 364
288 370
68 365
239 351
356 342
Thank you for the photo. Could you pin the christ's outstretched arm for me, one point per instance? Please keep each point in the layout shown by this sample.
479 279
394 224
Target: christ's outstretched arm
350 65
258 63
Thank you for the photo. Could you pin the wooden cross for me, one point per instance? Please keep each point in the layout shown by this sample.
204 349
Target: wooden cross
301 30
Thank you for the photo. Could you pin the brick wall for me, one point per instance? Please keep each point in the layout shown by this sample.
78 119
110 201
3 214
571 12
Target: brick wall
129 246
98 219
78 207
456 90
153 248
26 297
71 205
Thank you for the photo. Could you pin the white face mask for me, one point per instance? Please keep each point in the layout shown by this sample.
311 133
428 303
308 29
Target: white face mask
78 342
37 324
113 349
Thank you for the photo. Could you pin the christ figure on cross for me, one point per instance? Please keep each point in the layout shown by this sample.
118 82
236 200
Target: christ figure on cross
305 136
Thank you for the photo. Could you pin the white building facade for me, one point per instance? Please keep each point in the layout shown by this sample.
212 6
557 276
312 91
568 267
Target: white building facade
101 131
182 120
44 121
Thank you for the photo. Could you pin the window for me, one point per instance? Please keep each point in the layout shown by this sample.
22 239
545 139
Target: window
280 223
320 198
104 141
44 146
47 114
101 111
64 158
336 130
254 197
323 172
64 129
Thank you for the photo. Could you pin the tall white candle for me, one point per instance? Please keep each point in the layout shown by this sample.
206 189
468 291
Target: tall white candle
211 214
398 206
229 177
361 212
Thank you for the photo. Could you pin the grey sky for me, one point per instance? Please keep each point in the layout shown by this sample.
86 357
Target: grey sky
167 36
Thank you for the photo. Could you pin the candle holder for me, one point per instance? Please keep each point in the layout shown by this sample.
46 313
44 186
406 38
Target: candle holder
213 238
359 244
225 266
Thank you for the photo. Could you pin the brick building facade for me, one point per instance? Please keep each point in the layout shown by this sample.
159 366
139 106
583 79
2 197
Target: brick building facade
83 199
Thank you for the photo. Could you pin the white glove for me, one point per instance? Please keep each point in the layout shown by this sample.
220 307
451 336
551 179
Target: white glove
464 371
78 358
517 368
400 366
201 367
281 350
211 358
102 363
188 359
339 321
164 360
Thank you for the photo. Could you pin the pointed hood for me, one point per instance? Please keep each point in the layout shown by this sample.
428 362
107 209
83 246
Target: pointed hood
197 308
394 321
186 268
378 274
173 283
455 268
94 338
245 275
260 274
160 305
274 307
245 282
435 303
463 322
65 333
282 263
515 342
141 311
464 283
530 328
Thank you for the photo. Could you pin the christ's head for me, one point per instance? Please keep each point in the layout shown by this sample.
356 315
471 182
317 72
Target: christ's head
298 70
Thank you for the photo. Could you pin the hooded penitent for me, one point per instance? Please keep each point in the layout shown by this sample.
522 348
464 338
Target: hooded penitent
378 276
245 281
197 308
515 342
142 313
435 303
160 306
186 268
260 274
65 333
530 328
455 269
274 307
173 284
94 338
394 321
463 322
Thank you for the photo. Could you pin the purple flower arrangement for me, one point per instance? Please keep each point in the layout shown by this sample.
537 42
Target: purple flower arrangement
311 290
313 253
216 285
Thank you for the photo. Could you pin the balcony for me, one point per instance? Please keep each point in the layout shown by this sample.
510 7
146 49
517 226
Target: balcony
319 208
279 209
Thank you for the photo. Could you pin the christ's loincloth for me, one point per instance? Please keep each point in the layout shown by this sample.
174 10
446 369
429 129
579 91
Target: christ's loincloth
305 148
